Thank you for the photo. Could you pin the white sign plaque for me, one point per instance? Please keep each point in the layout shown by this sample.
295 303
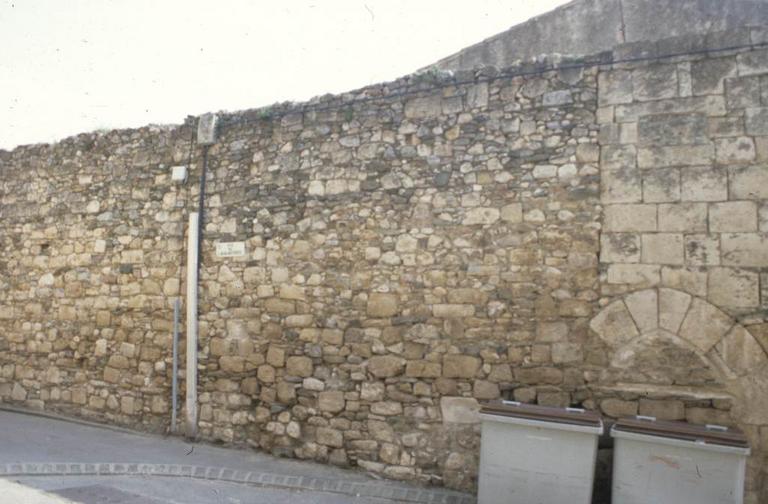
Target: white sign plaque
230 249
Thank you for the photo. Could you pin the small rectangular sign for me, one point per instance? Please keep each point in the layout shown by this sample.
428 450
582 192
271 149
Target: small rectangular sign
230 249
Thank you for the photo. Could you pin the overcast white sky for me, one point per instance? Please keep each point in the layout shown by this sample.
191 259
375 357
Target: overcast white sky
70 66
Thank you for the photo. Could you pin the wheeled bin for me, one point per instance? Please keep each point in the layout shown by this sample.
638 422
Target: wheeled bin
537 455
661 462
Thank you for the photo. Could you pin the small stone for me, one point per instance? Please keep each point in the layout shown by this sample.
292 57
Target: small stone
331 401
299 366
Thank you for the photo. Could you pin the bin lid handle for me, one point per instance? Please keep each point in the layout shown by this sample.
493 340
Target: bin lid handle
575 410
719 428
511 403
646 418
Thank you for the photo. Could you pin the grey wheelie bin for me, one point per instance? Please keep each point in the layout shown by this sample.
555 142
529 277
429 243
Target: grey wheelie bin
658 462
537 455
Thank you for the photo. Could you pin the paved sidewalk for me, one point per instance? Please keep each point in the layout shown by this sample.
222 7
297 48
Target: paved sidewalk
89 464
15 492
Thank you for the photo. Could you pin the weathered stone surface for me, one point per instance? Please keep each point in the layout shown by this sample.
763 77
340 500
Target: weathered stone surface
616 408
460 410
756 121
673 129
744 249
704 325
708 75
703 184
683 217
677 155
539 376
615 87
384 366
299 366
423 369
733 217
643 306
655 82
741 352
734 150
662 248
485 390
614 324
331 401
734 288
382 305
460 366
481 215
748 183
408 246
673 306
620 248
630 218
662 410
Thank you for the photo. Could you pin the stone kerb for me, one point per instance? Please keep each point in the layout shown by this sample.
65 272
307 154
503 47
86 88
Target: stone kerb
693 323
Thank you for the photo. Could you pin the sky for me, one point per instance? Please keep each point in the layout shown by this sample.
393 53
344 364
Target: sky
73 66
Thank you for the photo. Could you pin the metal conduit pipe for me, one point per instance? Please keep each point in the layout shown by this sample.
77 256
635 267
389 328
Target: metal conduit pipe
206 136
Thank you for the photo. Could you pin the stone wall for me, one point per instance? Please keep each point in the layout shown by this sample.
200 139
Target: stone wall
587 235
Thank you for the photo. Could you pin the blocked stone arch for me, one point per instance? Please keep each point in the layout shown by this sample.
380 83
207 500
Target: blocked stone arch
689 321
735 356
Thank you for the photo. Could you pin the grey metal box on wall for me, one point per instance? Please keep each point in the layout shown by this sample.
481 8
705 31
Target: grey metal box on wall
537 455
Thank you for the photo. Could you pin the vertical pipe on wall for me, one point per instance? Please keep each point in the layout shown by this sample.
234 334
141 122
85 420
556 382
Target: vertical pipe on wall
175 375
193 249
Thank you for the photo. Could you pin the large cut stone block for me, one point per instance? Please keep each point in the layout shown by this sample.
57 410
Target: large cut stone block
674 155
683 217
704 325
630 218
741 352
702 249
614 324
711 106
757 121
708 75
661 185
733 217
703 183
749 182
734 150
690 280
673 129
655 82
673 305
742 93
619 248
662 248
621 185
614 87
643 306
753 62
637 275
744 249
734 288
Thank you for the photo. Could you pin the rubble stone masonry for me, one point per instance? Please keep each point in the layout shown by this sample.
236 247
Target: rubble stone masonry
578 234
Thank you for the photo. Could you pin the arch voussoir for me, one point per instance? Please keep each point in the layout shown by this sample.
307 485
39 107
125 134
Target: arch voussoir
695 322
